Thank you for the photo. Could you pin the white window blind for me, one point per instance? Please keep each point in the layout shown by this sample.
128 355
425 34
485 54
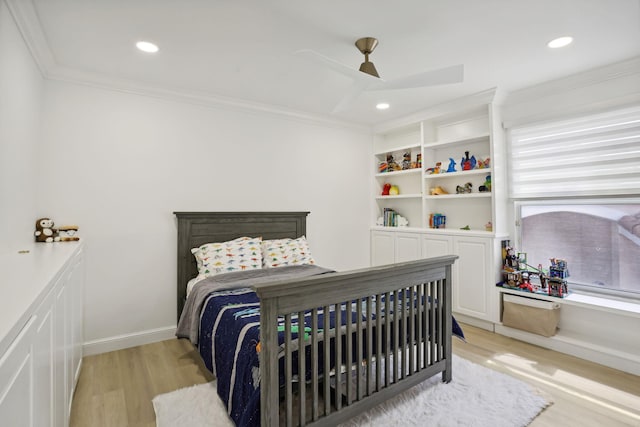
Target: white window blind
591 156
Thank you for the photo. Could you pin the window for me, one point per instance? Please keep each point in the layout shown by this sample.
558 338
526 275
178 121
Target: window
600 241
576 185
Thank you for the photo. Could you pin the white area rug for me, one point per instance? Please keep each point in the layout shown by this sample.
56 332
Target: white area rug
477 396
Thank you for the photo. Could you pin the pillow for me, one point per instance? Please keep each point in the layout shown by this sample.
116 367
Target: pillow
286 252
234 255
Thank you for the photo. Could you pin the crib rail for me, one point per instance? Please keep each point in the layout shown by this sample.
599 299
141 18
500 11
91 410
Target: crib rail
370 334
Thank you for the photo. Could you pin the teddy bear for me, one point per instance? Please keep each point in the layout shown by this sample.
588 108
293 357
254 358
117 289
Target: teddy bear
45 231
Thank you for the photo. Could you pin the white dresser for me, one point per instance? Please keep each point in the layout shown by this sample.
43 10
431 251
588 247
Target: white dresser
41 333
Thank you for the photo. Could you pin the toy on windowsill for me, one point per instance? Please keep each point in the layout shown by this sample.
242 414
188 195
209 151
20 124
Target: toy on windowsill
468 163
45 233
452 165
462 189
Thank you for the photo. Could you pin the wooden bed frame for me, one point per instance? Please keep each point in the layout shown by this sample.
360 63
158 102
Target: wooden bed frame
381 358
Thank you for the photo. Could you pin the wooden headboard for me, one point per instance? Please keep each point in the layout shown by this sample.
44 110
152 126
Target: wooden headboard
198 228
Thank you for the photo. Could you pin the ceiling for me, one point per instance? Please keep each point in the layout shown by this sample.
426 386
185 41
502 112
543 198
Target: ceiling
245 50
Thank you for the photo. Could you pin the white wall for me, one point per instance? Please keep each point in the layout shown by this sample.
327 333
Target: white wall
118 165
21 86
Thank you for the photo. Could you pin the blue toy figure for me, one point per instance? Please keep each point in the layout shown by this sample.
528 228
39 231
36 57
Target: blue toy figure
452 165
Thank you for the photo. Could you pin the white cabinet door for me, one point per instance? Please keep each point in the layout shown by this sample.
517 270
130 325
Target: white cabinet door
60 355
43 354
436 245
407 246
471 274
16 380
382 247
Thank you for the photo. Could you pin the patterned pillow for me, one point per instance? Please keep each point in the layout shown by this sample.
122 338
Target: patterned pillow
234 255
285 252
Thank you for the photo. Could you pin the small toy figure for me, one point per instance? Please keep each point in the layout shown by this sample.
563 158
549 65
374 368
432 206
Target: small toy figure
452 165
392 165
435 169
385 189
394 190
468 163
486 187
406 161
438 191
45 232
488 226
419 161
383 167
464 189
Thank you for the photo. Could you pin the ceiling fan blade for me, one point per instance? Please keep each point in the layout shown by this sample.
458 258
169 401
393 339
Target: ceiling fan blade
336 66
447 75
352 94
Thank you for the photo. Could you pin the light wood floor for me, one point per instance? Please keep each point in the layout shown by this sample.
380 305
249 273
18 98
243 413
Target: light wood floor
115 389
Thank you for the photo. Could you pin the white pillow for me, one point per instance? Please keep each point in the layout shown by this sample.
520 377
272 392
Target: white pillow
286 252
239 254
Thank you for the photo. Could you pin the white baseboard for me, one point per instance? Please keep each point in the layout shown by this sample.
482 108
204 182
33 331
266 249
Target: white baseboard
120 342
478 323
612 358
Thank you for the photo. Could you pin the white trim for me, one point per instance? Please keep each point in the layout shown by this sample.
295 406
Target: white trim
120 342
26 19
606 356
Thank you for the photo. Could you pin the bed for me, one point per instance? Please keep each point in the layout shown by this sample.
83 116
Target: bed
305 345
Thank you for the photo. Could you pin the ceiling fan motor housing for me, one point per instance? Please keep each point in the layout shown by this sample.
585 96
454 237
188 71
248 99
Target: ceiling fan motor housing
366 45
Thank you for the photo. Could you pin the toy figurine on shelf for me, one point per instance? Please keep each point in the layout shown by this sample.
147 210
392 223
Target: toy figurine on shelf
419 161
392 165
434 170
468 163
462 189
486 187
437 191
383 167
406 161
452 165
394 190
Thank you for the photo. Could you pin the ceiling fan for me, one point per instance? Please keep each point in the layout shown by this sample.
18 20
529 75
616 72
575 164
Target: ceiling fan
368 79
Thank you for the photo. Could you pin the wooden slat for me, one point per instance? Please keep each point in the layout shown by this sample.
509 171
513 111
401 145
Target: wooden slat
432 326
369 345
326 354
425 326
387 327
349 351
314 364
288 380
379 358
412 330
419 339
397 315
338 347
359 356
403 335
302 369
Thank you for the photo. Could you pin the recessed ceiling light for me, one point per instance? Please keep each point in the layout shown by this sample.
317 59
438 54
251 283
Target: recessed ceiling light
560 42
382 106
147 47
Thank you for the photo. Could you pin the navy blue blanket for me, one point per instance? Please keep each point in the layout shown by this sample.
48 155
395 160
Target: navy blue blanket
229 344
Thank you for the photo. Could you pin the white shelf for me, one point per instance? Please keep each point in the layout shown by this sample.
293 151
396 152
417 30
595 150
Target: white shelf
399 196
393 150
461 141
458 174
459 196
398 173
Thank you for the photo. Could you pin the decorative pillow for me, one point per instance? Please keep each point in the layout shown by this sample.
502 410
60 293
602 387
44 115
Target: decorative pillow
234 255
286 252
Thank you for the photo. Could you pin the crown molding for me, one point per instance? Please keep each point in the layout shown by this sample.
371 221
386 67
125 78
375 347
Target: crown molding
611 86
26 18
